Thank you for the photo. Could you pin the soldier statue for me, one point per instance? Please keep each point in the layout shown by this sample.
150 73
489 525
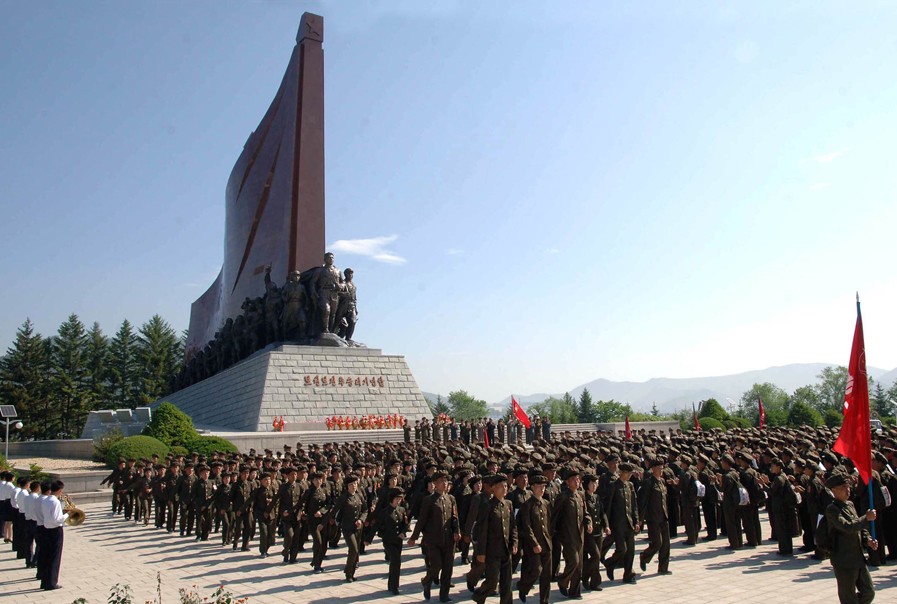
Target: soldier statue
293 319
272 309
328 284
348 309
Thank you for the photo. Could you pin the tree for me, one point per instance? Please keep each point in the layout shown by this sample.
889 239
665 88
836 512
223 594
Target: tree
559 410
23 382
833 418
98 367
465 407
806 395
439 406
611 411
586 410
159 352
654 412
123 367
878 401
831 387
775 404
802 414
171 426
712 408
70 381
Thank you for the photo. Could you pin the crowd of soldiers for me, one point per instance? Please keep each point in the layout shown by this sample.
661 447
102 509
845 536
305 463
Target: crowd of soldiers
318 301
484 430
556 511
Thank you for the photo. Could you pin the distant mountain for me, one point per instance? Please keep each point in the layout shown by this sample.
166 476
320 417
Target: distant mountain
672 394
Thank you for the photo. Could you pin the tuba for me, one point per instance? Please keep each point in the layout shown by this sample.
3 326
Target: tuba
76 515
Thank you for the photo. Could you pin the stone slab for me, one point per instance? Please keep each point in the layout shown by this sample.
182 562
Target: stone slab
304 385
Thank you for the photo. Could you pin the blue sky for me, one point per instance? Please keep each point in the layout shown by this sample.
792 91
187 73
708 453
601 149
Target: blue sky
544 193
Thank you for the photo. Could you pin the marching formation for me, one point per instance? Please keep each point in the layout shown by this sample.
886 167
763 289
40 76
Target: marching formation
564 511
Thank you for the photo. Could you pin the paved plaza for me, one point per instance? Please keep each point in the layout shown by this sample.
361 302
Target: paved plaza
106 550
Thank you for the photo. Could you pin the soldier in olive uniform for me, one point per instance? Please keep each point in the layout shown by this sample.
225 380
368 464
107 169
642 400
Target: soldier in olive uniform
622 513
241 504
264 506
689 495
850 532
172 480
439 524
185 499
570 523
517 497
289 497
316 505
496 543
535 537
350 513
392 524
203 497
653 510
591 573
710 502
731 509
223 508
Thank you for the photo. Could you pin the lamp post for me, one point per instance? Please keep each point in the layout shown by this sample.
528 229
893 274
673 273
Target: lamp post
8 413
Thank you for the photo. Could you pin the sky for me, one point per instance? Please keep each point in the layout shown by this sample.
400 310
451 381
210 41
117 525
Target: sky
532 195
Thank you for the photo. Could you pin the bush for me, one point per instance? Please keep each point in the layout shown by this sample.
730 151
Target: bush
708 423
712 409
102 446
740 422
137 447
36 472
179 450
802 414
206 445
833 418
170 425
729 424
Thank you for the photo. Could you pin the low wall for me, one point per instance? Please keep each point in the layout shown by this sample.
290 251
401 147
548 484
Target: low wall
276 440
80 448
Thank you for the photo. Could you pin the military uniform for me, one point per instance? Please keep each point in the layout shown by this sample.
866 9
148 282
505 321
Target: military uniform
241 503
316 503
224 512
203 497
350 512
289 497
535 531
496 539
391 524
439 524
849 532
591 574
264 506
569 523
622 513
653 509
185 503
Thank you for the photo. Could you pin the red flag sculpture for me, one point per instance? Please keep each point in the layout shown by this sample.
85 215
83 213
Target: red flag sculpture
762 413
855 439
628 429
694 415
519 413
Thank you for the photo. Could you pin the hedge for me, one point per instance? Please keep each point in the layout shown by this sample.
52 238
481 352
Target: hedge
137 447
170 425
708 423
206 445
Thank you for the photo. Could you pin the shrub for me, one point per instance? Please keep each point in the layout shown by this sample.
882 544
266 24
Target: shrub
138 447
833 418
170 425
802 414
708 423
102 445
206 445
729 424
712 409
36 472
741 422
179 450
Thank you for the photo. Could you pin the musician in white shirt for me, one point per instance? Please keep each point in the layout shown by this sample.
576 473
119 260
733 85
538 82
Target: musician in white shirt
6 489
32 500
51 546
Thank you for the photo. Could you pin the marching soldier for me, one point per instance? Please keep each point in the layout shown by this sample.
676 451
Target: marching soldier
439 524
316 504
653 510
185 499
264 505
289 497
203 497
223 508
496 543
241 504
591 572
392 524
624 521
535 542
350 513
570 523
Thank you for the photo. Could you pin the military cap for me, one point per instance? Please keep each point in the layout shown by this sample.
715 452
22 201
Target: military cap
520 471
877 456
538 479
548 466
775 461
829 457
745 456
396 492
571 471
264 475
315 475
612 458
728 459
201 467
351 478
686 459
837 479
474 479
628 467
437 475
657 461
497 478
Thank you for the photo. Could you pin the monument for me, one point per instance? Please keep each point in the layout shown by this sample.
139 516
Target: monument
272 336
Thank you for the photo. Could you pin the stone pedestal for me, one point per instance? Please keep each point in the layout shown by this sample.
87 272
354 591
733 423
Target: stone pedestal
305 385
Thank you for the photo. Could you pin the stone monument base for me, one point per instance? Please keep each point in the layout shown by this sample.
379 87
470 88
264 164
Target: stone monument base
305 385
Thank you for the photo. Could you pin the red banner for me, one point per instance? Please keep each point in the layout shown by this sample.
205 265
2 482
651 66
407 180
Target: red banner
628 429
855 439
519 413
762 413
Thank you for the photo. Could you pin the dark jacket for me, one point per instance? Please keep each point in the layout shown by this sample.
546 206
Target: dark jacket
849 533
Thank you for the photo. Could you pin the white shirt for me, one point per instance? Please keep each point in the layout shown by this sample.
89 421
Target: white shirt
31 501
12 499
53 517
4 490
38 510
21 496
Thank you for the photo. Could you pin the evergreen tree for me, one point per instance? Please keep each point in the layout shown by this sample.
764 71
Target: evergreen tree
70 381
123 370
654 411
23 380
98 367
159 353
585 411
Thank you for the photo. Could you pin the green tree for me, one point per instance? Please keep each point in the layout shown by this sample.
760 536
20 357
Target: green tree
124 374
24 383
611 411
465 407
831 387
159 353
98 367
833 418
878 401
439 406
559 410
775 404
802 414
586 410
170 425
712 408
70 381
806 395
654 412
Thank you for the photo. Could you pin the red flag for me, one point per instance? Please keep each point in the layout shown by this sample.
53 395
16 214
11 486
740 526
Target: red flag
762 413
855 439
697 425
521 415
628 429
485 436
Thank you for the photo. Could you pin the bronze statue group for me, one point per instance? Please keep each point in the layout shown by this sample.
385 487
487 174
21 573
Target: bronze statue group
562 512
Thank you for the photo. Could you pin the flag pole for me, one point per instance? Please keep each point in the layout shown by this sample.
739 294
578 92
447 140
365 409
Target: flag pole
869 428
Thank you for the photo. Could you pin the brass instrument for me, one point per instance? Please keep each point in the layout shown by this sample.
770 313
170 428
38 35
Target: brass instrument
76 515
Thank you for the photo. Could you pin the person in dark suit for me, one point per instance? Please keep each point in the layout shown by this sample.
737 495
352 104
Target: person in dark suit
392 524
591 572
50 548
316 504
264 507
350 513
534 534
653 510
782 506
731 510
622 513
570 523
241 504
496 543
849 534
439 524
